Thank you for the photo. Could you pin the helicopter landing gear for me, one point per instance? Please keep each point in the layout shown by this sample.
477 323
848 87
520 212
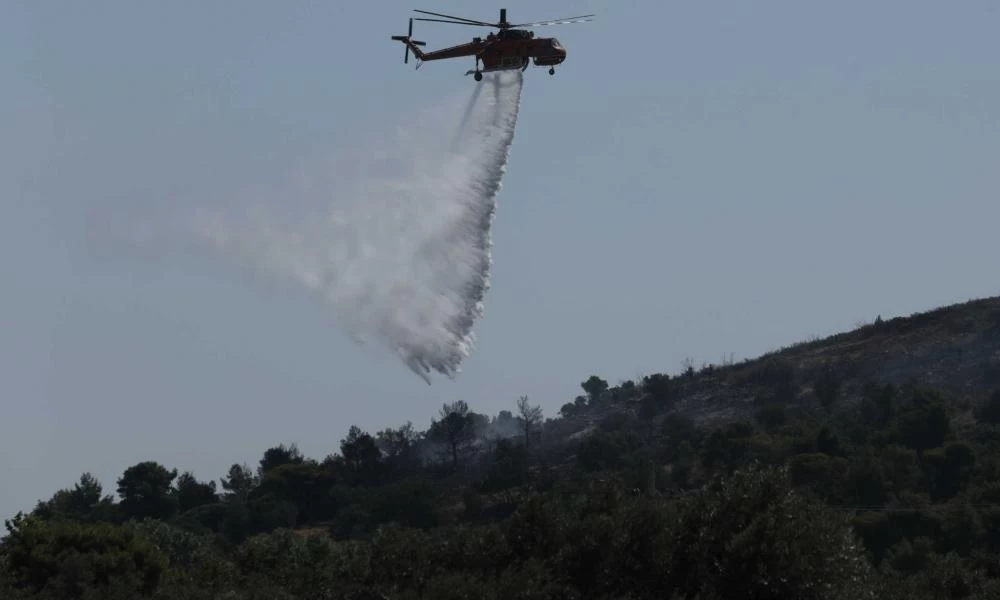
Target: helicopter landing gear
478 76
552 71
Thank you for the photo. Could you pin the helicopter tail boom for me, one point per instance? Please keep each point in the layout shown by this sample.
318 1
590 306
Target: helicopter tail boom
410 44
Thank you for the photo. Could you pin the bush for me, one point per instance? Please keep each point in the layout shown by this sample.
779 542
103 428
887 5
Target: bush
73 560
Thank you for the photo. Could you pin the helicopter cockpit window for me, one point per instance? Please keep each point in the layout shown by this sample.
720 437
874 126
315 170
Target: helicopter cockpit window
555 44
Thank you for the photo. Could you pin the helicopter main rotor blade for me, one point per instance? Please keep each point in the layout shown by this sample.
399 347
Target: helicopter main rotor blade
426 12
457 22
580 19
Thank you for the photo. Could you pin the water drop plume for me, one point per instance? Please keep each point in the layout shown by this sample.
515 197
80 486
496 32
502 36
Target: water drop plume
393 233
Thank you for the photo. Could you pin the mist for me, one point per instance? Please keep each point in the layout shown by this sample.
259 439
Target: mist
393 233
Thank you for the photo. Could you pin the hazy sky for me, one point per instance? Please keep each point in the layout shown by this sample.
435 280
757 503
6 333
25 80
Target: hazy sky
698 179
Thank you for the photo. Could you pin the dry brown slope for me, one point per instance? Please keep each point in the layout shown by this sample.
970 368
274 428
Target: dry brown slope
954 348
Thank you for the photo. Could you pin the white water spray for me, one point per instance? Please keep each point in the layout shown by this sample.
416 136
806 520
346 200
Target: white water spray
394 237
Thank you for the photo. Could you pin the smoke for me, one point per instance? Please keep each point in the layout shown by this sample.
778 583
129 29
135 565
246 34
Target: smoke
393 234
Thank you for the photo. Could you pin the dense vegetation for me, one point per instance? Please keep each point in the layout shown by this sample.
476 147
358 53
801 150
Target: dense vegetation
839 484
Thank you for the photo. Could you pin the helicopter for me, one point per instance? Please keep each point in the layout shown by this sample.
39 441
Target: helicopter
510 48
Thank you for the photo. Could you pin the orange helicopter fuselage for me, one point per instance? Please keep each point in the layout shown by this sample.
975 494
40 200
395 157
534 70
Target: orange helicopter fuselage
513 49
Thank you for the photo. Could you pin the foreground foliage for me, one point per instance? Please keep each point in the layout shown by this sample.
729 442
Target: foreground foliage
748 535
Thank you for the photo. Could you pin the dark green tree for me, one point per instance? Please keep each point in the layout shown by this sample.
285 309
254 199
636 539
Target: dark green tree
924 426
659 388
508 467
677 429
192 493
951 467
607 450
306 486
866 484
239 483
411 502
399 449
752 536
145 490
596 388
728 446
569 410
455 429
277 456
360 458
772 416
85 502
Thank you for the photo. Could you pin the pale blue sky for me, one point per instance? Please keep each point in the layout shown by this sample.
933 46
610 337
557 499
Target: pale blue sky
698 179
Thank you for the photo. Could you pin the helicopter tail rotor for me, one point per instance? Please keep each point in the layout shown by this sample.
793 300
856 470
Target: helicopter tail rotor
407 42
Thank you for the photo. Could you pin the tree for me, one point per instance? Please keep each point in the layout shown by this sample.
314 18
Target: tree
678 429
925 426
659 389
480 426
504 425
192 493
305 485
277 456
239 483
951 466
361 459
877 409
772 416
145 490
508 468
627 391
84 503
607 450
411 502
455 428
530 417
568 410
399 449
866 481
577 407
86 493
595 388
752 536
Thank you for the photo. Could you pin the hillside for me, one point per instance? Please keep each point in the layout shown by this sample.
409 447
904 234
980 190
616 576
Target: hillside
865 464
955 349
